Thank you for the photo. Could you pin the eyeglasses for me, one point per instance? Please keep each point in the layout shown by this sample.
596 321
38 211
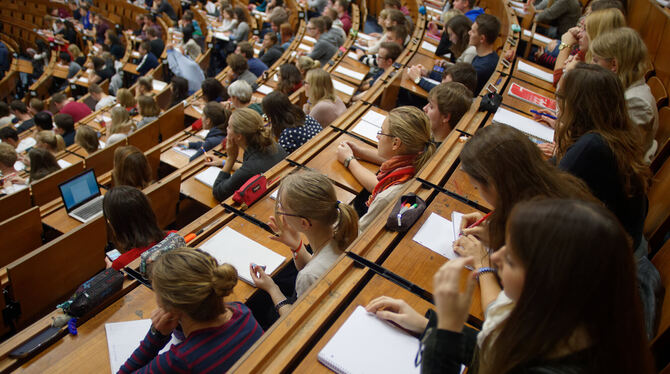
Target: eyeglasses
279 212
379 133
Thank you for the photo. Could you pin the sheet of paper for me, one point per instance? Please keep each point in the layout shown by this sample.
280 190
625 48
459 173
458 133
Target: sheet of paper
308 38
352 56
18 166
185 151
456 220
82 80
347 89
538 37
202 133
365 48
124 337
229 246
524 124
364 36
208 176
537 73
304 47
221 36
350 73
158 85
374 118
10 189
429 47
25 144
367 344
437 234
63 164
265 90
101 143
274 194
433 81
367 130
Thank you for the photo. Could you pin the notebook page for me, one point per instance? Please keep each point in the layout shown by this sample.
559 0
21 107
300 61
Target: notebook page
350 73
374 118
63 164
208 176
538 73
367 130
124 337
429 47
185 151
524 124
437 234
367 344
308 39
538 37
236 249
265 90
456 220
25 144
158 85
345 88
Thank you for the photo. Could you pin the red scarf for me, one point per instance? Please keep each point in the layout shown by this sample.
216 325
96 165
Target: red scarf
396 170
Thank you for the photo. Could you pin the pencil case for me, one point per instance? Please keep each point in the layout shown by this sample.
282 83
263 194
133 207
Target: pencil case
406 211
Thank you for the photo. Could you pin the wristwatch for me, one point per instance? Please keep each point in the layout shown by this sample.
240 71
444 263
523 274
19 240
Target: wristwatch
417 80
347 161
563 46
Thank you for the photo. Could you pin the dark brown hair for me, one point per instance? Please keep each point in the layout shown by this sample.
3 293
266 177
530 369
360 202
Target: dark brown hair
282 113
42 163
131 218
290 78
460 25
131 167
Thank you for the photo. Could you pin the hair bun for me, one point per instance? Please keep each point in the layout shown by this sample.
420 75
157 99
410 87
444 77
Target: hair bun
224 279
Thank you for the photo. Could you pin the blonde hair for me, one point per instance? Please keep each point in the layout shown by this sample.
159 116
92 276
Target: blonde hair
625 45
121 122
54 142
125 98
74 51
412 126
305 64
449 14
148 106
600 22
146 83
248 123
8 155
87 138
320 86
311 195
191 281
381 18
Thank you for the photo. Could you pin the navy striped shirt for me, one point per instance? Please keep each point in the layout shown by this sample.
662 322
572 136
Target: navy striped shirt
210 350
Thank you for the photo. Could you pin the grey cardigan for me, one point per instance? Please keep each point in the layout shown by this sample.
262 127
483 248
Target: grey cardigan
562 13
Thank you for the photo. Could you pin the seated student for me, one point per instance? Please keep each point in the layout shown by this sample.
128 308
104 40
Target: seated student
323 50
290 125
305 64
285 35
456 40
148 60
131 168
463 73
271 50
468 8
113 44
126 99
50 141
483 34
229 22
133 222
77 55
215 119
6 116
148 110
390 18
180 90
239 69
624 52
397 5
86 137
397 34
101 98
386 56
144 86
405 143
341 7
72 67
289 79
246 131
22 118
561 14
256 66
67 105
307 204
447 103
276 18
156 44
163 6
597 142
189 27
100 69
334 33
9 135
240 97
11 181
323 104
100 27
190 289
65 127
212 90
552 322
35 106
42 163
241 31
185 67
120 127
315 7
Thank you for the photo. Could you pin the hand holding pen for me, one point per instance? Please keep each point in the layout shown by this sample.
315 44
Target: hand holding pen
475 224
545 116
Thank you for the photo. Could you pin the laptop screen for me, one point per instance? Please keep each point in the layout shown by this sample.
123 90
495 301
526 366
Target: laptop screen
79 190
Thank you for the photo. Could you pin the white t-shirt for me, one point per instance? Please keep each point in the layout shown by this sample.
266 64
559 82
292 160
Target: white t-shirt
316 267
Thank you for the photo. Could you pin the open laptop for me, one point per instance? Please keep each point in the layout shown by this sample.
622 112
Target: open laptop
81 196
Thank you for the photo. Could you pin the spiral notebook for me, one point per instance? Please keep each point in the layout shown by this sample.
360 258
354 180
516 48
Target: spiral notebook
367 344
536 131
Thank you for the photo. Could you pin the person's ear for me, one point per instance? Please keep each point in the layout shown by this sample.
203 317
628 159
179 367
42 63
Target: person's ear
615 65
305 224
397 143
446 119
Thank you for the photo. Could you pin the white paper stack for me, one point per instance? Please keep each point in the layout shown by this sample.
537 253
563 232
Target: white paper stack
429 47
369 125
537 73
25 144
438 234
534 129
124 337
342 87
63 164
538 37
186 152
158 85
350 73
208 176
265 90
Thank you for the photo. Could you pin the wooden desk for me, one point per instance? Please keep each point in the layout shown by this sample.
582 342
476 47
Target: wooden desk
531 79
326 162
459 182
406 83
521 105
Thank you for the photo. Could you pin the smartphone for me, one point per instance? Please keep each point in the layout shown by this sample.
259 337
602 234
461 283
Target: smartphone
113 255
438 68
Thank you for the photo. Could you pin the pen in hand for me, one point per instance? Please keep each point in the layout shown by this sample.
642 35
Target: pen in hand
542 114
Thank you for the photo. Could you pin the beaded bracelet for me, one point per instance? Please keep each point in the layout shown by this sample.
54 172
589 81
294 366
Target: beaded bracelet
281 304
483 270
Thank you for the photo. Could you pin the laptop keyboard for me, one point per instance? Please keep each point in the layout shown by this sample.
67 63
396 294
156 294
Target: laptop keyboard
89 210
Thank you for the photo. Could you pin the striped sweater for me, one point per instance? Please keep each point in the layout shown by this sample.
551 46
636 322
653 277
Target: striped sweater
210 350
